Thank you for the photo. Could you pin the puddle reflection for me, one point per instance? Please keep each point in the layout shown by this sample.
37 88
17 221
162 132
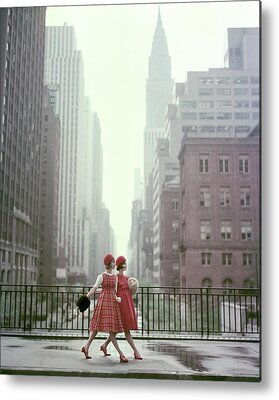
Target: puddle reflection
185 356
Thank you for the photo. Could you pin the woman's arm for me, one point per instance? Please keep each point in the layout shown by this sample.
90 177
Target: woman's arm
98 282
118 299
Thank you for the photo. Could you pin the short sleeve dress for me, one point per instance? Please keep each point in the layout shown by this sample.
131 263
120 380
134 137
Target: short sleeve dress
127 307
106 315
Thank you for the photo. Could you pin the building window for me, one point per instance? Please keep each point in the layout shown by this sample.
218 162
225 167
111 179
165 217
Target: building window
206 92
204 197
244 129
175 226
247 259
189 115
224 104
242 115
240 79
248 284
175 267
226 230
174 204
206 129
227 283
226 259
206 259
223 92
255 92
254 79
174 247
241 92
246 230
189 104
206 283
205 80
205 229
222 80
189 129
224 115
245 197
225 197
224 164
241 104
204 163
244 164
206 115
206 104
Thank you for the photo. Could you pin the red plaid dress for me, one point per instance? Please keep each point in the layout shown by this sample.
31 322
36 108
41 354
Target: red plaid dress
107 316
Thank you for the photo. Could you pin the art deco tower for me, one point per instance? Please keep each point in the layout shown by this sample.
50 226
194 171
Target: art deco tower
158 94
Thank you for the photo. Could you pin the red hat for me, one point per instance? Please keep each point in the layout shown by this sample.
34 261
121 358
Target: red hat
120 260
108 258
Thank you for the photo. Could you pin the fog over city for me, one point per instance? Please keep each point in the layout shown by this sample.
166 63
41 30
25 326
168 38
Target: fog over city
116 41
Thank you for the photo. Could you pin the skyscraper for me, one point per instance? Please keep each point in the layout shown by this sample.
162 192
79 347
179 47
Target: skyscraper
64 67
158 94
22 31
49 189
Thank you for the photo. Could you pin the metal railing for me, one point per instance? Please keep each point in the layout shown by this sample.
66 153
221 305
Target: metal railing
172 311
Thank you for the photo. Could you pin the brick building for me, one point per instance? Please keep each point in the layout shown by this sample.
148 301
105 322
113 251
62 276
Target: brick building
220 210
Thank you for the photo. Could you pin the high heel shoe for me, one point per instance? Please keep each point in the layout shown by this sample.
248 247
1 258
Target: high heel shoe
138 356
123 359
104 350
85 352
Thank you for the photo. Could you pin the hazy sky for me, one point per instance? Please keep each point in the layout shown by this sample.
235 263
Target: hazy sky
115 41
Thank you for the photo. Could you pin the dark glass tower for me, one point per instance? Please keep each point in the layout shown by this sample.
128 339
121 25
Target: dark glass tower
22 41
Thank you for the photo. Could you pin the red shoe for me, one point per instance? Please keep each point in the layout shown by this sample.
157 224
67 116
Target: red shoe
123 359
138 356
104 350
85 353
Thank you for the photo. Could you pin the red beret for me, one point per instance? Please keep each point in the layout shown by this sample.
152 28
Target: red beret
120 260
108 258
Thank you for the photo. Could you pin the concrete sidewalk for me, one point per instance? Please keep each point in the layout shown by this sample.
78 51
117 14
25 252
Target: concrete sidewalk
162 359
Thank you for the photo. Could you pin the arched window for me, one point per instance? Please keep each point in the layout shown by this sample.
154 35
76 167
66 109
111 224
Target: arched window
248 283
227 283
9 274
207 283
3 276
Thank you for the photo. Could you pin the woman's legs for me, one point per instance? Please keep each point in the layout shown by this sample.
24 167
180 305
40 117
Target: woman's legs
103 348
114 342
90 339
131 342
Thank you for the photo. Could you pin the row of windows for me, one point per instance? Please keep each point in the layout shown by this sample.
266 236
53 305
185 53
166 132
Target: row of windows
227 130
224 166
220 104
224 197
226 230
224 80
9 276
226 259
227 116
229 92
228 283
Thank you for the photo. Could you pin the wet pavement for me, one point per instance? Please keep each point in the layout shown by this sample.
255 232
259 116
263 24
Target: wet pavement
162 359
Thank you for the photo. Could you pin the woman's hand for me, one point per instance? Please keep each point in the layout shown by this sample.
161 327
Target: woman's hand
118 299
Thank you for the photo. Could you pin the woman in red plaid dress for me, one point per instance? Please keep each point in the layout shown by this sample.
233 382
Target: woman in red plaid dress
106 316
127 308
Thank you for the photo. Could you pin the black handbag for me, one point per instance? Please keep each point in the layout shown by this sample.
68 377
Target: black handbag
83 303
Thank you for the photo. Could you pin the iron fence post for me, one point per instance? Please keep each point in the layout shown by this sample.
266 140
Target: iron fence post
25 309
201 302
31 306
147 310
